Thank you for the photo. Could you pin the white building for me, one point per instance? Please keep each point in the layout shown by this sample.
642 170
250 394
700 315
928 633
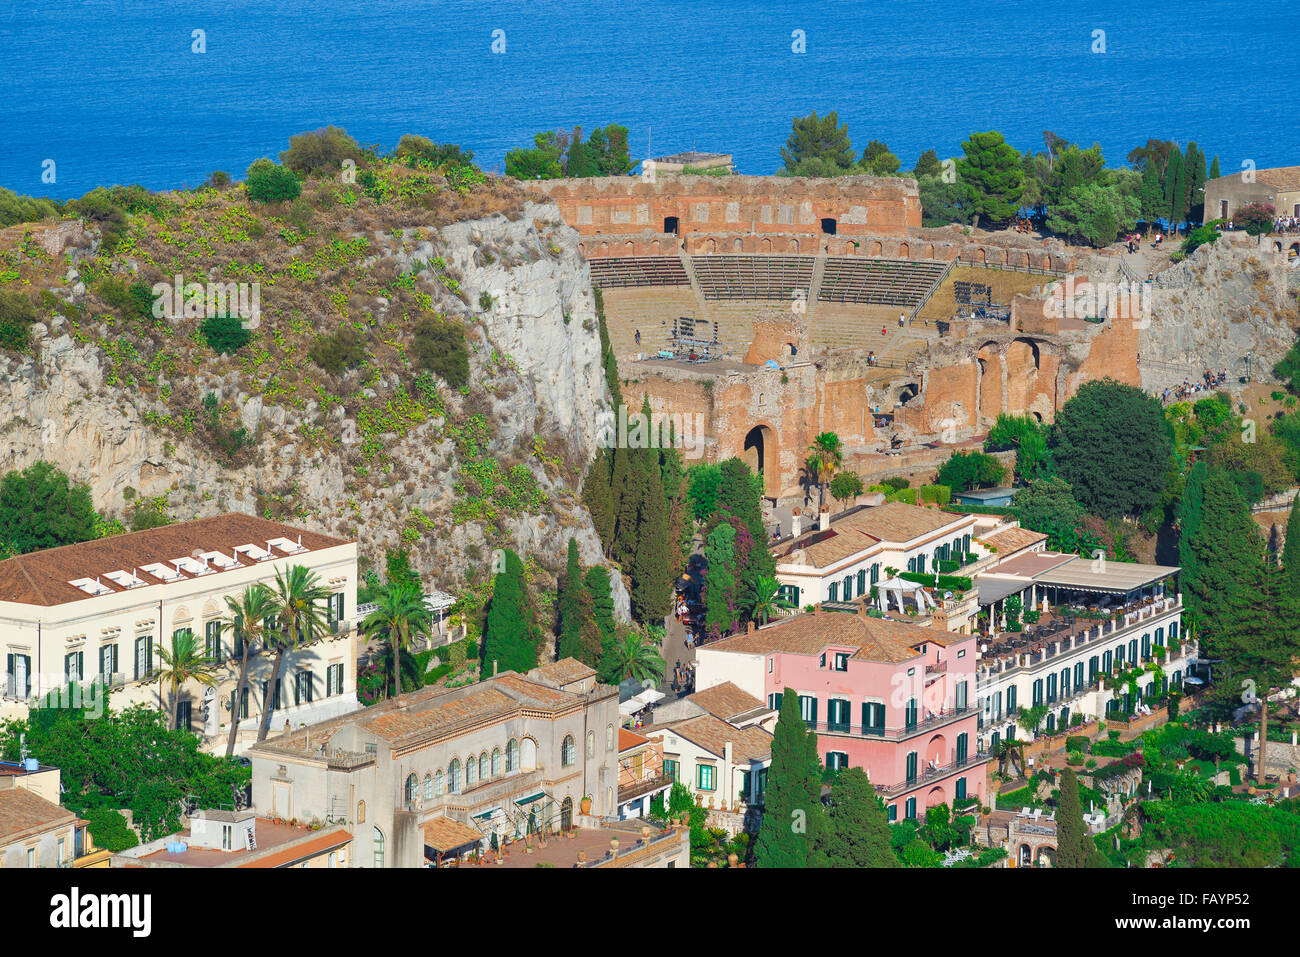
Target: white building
842 559
103 609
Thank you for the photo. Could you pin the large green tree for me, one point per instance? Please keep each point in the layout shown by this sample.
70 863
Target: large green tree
1074 845
817 146
399 616
299 600
1114 446
857 827
994 177
40 508
793 817
967 470
1046 504
1220 549
510 633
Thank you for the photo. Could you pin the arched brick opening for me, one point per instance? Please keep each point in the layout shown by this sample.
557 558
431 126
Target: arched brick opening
760 454
936 751
877 248
904 251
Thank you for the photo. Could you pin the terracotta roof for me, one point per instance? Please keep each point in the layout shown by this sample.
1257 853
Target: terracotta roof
1012 540
875 639
712 734
41 578
296 853
445 834
727 701
627 740
1280 177
859 529
563 672
22 812
456 712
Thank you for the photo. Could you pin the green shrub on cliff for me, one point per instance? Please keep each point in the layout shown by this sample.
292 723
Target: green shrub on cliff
269 183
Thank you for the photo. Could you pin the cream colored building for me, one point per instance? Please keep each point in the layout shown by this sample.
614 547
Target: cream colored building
104 608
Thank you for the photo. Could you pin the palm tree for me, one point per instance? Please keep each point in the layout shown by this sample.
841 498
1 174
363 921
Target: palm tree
827 453
185 661
298 592
764 598
637 656
245 616
401 613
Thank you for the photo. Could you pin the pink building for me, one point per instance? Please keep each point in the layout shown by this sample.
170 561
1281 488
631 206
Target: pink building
893 698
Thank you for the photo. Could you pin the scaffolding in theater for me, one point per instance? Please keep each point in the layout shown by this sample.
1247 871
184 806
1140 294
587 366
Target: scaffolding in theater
974 300
687 344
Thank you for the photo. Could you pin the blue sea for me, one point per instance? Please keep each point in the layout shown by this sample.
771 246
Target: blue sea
112 92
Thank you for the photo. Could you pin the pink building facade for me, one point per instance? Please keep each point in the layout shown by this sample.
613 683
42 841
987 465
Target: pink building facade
895 699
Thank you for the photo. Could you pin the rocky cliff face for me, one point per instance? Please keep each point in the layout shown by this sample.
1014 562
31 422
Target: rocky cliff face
1228 300
536 385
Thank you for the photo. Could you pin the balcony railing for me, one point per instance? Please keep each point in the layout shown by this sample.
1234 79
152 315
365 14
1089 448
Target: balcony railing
892 734
928 774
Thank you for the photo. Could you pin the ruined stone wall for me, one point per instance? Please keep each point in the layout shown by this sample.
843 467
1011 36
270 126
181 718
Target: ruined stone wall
736 204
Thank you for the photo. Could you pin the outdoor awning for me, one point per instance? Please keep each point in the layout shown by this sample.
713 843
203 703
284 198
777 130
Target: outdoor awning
444 835
630 707
531 798
1112 578
995 589
483 815
649 696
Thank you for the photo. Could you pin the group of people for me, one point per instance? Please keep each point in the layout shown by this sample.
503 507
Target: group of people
1286 224
871 358
683 677
1188 389
1132 241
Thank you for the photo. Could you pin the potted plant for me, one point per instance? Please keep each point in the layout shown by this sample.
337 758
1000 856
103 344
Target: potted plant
585 804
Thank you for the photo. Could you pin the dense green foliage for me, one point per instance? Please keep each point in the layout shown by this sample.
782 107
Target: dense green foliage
793 818
439 345
338 351
994 179
225 334
510 635
856 832
17 313
40 508
968 470
268 183
16 208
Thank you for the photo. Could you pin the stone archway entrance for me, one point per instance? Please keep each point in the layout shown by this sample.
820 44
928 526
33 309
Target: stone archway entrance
760 455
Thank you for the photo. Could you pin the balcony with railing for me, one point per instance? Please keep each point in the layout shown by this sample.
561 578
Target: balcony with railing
921 726
929 774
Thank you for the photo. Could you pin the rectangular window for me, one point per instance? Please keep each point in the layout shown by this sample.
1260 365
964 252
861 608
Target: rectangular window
212 639
61 845
835 591
1092 668
893 813
183 711
808 709
672 769
909 714
841 661
961 696
706 777
334 610
837 760
1037 695
911 765
1011 701
227 837
837 714
1051 687
243 702
873 717
274 699
107 663
771 663
74 666
1106 660
961 747
302 687
1146 647
143 657
790 595
1078 675
1065 682
1119 656
961 789
334 680
910 809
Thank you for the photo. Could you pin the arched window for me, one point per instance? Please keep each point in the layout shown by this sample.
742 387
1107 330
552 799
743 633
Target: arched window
453 776
496 761
428 787
379 848
483 772
567 752
471 772
361 812
609 737
512 756
438 784
412 788
591 744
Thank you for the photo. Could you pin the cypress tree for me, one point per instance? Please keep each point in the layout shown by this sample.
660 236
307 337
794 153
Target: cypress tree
1074 845
598 496
1181 195
510 633
1173 170
652 570
857 826
1195 165
720 579
1225 549
1214 168
1291 550
570 602
602 604
792 823
629 485
1149 196
1190 510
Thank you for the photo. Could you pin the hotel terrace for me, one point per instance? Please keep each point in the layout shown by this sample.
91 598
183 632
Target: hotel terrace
431 776
103 609
891 697
1096 619
848 554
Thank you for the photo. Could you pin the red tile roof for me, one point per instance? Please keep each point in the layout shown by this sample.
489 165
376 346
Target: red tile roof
22 812
41 578
627 740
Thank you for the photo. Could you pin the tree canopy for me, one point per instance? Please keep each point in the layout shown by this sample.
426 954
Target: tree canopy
40 508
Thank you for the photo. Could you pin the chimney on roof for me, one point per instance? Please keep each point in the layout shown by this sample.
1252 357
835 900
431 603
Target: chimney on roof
825 520
796 522
817 608
749 629
862 609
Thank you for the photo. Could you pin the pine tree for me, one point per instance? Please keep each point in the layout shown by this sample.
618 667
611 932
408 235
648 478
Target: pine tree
857 826
1259 640
1074 845
792 825
510 633
720 579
